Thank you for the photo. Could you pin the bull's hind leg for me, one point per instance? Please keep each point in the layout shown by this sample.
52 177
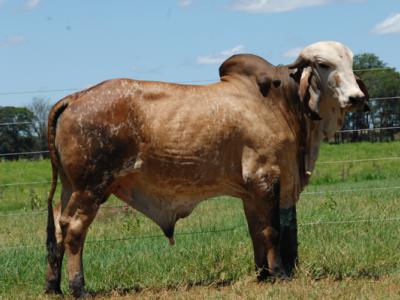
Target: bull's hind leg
55 257
75 221
262 214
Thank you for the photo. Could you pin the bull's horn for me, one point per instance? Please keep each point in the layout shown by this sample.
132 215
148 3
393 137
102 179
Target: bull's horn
299 63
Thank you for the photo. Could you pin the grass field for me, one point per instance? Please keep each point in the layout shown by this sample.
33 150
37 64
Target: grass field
349 241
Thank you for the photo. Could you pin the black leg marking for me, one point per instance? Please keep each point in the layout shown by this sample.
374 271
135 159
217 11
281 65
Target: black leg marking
288 239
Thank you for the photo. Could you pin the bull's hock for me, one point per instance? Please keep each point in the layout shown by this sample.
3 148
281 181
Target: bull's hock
164 147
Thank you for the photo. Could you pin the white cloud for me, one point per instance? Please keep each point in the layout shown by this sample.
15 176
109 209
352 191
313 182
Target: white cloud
11 41
294 52
274 6
390 25
31 4
185 3
219 57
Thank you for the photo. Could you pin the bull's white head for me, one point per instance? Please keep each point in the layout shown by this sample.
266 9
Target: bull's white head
327 81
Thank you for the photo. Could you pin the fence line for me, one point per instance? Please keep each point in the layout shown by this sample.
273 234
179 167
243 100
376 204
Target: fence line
358 160
214 231
19 123
368 129
48 182
24 153
352 190
341 131
38 91
384 98
321 162
394 219
45 91
304 193
25 123
25 183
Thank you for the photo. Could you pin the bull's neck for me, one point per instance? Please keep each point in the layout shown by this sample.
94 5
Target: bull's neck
309 133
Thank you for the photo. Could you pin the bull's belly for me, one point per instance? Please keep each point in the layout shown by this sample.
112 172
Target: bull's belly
165 201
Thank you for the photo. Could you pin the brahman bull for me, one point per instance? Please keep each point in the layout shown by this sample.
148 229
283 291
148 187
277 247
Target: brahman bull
163 147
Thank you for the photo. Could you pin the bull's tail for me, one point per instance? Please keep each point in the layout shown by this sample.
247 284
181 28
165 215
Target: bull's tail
51 242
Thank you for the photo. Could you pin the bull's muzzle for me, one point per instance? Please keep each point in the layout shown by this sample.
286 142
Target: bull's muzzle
359 104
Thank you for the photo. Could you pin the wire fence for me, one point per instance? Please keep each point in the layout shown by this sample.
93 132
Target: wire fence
352 190
368 129
31 153
24 153
358 160
318 163
211 231
312 193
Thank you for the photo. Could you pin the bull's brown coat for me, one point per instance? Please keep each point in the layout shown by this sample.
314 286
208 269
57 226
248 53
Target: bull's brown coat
162 148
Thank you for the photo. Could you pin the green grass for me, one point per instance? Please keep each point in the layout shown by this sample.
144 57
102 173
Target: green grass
334 257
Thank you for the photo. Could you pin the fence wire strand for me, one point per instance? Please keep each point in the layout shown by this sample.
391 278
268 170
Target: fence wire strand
303 193
357 160
214 231
351 190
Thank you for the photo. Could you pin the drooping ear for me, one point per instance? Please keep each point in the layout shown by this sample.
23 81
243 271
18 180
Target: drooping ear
310 94
264 82
363 89
299 66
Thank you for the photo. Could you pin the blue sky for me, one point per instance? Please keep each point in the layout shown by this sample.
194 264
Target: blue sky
61 45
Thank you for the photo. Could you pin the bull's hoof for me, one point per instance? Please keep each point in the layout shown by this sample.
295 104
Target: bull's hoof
277 274
80 293
76 286
263 275
53 288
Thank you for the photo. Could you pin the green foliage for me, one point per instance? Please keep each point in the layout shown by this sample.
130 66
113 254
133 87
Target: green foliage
40 108
29 136
380 83
367 61
35 200
15 138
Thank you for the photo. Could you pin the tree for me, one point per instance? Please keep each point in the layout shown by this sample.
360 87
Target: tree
381 81
17 137
40 109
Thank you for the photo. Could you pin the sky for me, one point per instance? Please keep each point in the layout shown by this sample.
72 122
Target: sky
48 49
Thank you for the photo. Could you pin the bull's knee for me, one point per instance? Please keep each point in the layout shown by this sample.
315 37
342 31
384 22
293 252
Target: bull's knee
64 222
270 236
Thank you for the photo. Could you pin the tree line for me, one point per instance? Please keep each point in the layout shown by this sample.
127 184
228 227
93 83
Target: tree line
24 129
382 82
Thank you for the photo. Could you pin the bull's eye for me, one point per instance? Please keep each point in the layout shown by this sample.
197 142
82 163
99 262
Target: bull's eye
323 66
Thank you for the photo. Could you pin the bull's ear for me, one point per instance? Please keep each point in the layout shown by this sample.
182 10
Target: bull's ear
310 94
363 89
264 83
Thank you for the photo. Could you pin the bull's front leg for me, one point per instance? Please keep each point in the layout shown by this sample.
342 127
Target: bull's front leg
288 239
262 213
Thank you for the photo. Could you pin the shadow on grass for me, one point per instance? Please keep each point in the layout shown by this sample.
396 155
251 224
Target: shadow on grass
123 291
216 284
